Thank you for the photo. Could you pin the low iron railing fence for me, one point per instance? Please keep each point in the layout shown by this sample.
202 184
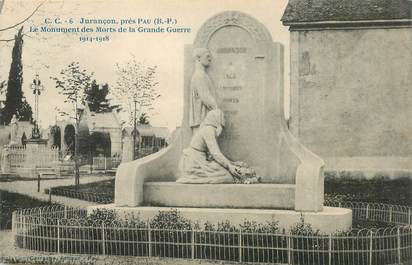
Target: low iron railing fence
106 163
101 198
64 230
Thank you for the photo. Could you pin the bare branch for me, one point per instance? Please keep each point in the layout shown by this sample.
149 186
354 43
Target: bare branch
24 20
8 40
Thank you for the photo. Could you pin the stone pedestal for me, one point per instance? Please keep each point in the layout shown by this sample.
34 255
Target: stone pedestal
257 196
32 148
35 157
330 220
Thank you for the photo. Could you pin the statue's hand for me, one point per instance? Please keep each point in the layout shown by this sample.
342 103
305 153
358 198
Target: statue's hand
234 171
240 164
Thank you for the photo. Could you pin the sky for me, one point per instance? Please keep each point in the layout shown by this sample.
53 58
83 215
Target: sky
48 53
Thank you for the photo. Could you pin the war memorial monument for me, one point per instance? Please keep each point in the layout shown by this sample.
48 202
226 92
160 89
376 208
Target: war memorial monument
233 114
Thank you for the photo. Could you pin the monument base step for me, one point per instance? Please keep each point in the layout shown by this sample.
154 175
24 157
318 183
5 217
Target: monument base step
255 196
330 220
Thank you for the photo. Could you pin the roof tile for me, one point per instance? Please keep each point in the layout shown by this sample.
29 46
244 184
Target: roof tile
346 10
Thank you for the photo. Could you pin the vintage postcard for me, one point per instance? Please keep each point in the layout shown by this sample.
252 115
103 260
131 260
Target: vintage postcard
198 131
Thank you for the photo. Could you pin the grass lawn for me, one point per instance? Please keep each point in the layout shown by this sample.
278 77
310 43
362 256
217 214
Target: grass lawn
100 192
105 187
379 189
10 201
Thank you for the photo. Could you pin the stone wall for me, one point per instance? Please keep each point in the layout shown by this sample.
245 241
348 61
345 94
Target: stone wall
351 91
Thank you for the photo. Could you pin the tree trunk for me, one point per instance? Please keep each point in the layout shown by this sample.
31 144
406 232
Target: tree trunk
76 156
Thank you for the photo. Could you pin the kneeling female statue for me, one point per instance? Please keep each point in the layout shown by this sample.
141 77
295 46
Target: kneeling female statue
203 162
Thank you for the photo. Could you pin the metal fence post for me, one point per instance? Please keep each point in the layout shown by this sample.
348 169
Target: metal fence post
103 241
58 236
390 214
65 212
193 243
240 245
24 231
289 249
399 245
38 182
367 211
50 193
370 248
330 249
13 224
409 216
149 231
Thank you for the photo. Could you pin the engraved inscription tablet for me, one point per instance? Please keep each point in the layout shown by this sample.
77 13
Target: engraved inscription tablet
235 73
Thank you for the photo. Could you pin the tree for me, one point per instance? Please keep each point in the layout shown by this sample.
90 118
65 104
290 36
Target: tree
15 102
2 86
96 98
144 119
26 112
72 83
56 136
136 87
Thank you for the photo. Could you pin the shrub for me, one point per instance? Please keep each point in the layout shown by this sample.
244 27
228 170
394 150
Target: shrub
103 216
170 220
254 227
303 229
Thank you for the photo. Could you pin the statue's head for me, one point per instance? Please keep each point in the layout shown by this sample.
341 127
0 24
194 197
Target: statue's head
203 56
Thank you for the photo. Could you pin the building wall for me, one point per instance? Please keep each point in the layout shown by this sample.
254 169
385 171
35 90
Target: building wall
351 91
115 138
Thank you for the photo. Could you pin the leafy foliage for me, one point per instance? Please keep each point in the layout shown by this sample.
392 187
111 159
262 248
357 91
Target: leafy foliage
73 83
174 220
136 83
96 98
56 136
26 112
303 229
69 138
15 102
170 220
252 226
10 201
103 216
144 119
355 187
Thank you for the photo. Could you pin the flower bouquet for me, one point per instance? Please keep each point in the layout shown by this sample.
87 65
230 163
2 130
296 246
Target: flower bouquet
246 174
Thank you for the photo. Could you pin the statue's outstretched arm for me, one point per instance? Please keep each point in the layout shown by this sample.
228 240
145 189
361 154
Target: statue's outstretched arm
213 147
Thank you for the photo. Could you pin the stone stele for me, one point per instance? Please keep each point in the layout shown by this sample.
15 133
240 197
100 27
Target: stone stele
247 72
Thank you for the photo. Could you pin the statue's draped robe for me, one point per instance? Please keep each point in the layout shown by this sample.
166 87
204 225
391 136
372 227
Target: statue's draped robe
195 167
202 99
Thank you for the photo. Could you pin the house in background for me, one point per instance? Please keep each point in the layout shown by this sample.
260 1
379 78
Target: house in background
351 76
149 139
105 129
99 134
